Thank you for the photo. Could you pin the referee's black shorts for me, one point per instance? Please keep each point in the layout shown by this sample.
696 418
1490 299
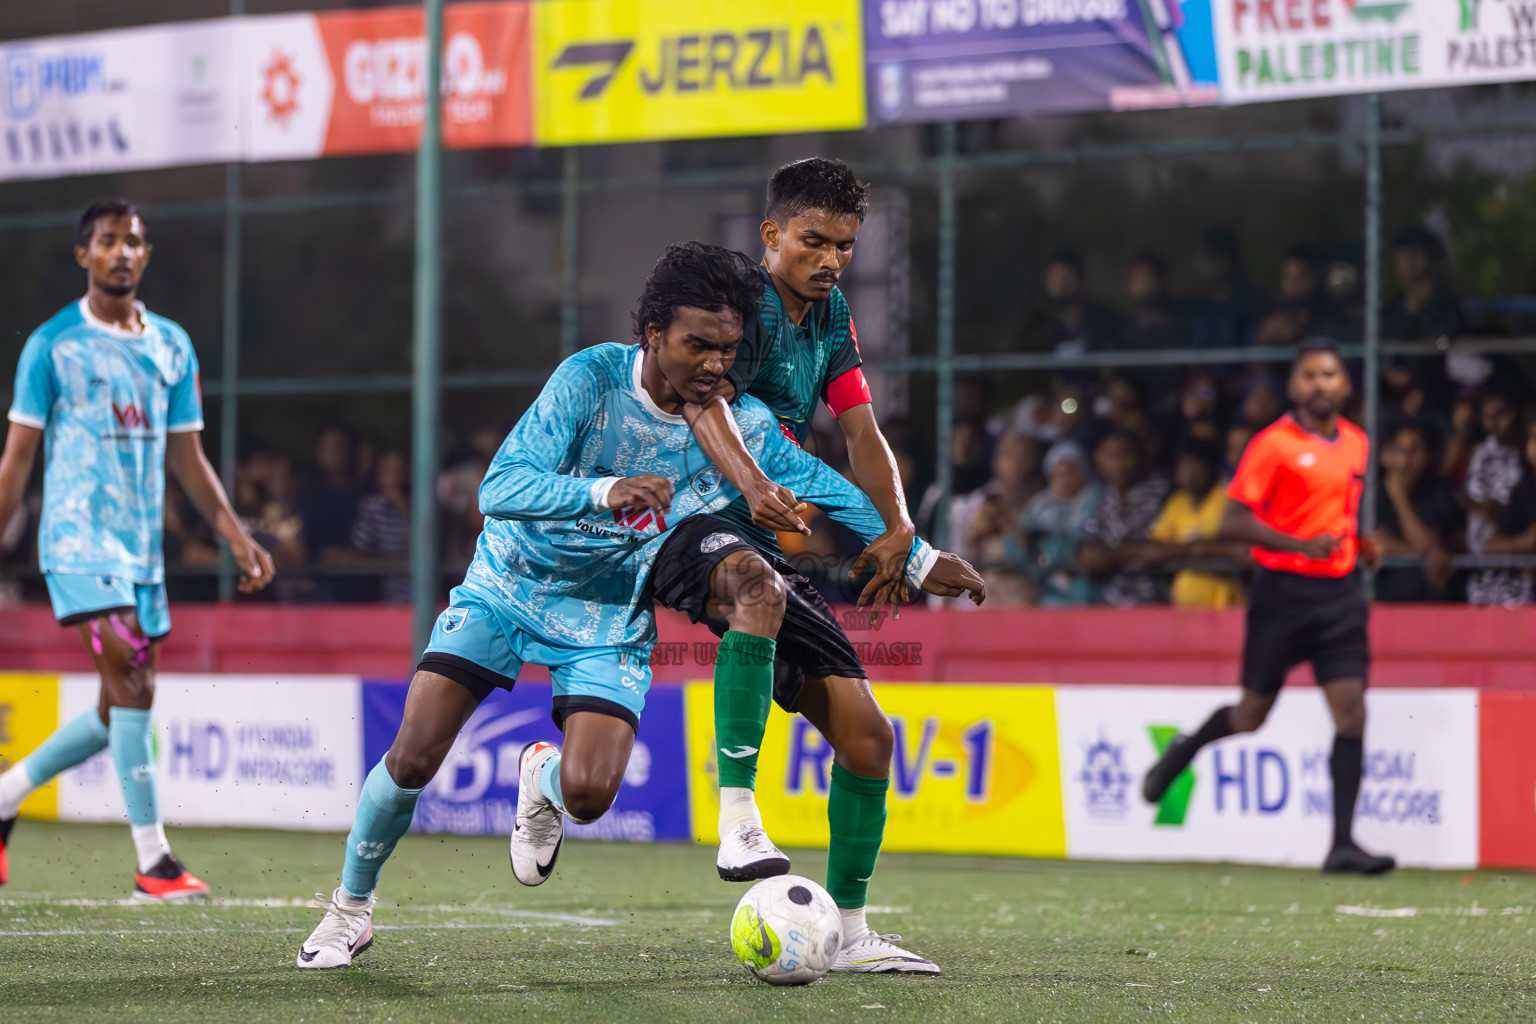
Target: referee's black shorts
1294 618
811 641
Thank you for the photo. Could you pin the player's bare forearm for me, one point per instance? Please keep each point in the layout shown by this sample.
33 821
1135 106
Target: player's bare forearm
874 467
1240 525
719 436
185 458
21 443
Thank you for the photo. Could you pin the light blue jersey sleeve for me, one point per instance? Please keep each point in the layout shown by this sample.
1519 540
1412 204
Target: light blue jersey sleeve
36 386
530 476
814 481
184 403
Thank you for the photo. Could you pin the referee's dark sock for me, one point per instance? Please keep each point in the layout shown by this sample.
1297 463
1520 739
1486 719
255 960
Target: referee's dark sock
1345 765
1182 751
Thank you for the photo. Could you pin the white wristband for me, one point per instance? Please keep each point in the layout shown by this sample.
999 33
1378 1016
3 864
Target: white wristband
601 487
921 563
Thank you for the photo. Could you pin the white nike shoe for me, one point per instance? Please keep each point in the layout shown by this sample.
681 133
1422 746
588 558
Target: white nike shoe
345 931
747 854
540 827
872 953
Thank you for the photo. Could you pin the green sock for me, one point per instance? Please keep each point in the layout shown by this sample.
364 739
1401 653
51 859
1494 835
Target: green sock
743 694
856 812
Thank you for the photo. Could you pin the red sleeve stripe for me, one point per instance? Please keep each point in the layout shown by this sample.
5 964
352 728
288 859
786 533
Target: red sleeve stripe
847 391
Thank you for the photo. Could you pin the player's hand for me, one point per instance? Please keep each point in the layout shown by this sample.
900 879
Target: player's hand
1320 548
952 576
254 562
1370 553
888 553
647 489
776 508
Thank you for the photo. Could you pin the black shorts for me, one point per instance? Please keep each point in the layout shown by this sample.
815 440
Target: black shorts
811 641
1294 618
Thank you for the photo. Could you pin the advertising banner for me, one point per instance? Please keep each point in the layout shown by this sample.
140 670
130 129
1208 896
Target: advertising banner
260 751
1267 797
1508 779
475 792
624 70
933 60
156 96
353 82
974 771
29 713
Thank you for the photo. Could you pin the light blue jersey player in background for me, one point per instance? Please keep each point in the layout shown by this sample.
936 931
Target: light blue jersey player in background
113 391
578 502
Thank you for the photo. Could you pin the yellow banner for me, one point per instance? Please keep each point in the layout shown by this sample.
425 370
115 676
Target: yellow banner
625 70
975 770
29 713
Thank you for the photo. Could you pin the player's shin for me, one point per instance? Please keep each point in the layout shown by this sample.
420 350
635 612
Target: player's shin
384 813
132 738
1345 764
856 816
76 741
743 696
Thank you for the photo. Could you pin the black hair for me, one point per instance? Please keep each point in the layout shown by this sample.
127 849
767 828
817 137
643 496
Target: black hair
1205 452
1425 429
697 274
815 183
1422 239
1314 345
1303 254
1065 256
1152 260
85 229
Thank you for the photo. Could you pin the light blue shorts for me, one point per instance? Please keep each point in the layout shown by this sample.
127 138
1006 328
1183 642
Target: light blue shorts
478 644
81 598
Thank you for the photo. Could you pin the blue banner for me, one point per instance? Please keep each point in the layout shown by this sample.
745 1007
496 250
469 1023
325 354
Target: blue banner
475 792
942 60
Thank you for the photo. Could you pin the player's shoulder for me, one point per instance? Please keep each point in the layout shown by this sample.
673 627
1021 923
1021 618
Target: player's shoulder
752 413
1283 433
1352 433
168 328
70 318
602 366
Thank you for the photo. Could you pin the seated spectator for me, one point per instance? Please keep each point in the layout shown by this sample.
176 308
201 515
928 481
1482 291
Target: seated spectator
1111 546
1424 309
1069 324
327 504
1261 402
1492 474
1301 311
1228 311
980 520
1155 323
383 527
458 493
1237 439
1052 525
1417 517
1196 418
968 455
1517 524
1186 529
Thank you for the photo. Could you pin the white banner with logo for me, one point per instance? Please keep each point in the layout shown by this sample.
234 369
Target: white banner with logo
111 101
1267 797
261 751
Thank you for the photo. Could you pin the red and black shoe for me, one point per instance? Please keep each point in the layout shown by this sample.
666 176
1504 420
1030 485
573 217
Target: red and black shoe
6 824
168 882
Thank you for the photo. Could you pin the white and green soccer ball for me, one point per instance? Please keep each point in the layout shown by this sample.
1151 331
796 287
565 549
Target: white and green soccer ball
787 930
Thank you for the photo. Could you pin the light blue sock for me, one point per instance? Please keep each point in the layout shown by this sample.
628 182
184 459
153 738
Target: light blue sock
133 752
549 782
78 740
383 815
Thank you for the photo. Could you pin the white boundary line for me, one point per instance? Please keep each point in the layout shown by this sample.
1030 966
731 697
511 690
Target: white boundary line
281 903
80 932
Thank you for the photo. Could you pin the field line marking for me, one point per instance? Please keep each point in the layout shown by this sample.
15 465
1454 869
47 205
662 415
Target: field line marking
1345 908
280 903
60 932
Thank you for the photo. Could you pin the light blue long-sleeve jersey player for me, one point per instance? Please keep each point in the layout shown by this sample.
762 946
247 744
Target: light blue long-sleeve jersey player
105 399
559 578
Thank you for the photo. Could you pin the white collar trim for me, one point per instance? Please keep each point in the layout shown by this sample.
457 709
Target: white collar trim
645 396
101 325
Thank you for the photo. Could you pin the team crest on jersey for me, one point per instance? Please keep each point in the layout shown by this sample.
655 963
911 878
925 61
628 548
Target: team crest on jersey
715 541
453 619
707 481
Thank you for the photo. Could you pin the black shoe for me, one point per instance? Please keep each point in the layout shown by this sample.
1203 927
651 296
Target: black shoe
6 824
1351 860
1161 775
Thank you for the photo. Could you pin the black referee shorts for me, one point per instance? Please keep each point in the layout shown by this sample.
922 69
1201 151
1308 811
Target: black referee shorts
1294 618
811 642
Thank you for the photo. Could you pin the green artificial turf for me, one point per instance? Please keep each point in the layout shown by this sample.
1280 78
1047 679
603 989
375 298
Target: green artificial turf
638 933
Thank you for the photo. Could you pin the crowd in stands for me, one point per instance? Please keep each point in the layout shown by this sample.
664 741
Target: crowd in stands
1100 488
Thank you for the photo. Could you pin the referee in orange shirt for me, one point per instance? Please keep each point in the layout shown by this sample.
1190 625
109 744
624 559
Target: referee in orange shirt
1296 498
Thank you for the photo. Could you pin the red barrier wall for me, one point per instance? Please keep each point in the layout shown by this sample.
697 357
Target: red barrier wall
1414 646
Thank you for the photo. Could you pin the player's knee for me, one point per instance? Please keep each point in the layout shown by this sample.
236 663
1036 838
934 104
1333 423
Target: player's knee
1349 720
868 750
411 769
1247 717
758 597
586 798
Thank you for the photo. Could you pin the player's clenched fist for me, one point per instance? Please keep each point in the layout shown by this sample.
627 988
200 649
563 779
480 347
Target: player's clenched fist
952 576
647 489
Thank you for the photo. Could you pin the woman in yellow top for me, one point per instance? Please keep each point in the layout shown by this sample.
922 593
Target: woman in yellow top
1189 522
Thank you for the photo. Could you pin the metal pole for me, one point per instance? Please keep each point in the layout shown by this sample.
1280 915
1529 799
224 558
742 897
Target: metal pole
1373 203
427 343
945 334
229 395
570 252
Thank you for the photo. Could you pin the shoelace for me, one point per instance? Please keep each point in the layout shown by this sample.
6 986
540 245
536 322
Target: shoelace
338 922
871 937
541 825
755 839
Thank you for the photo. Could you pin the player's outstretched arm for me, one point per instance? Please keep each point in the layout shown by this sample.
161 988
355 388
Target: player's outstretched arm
773 506
21 443
874 467
185 459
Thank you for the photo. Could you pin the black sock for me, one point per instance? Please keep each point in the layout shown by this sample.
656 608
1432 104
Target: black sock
1345 767
1217 727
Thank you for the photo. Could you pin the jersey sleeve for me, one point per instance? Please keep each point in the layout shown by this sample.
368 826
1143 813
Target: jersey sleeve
525 481
1255 476
844 337
184 411
36 386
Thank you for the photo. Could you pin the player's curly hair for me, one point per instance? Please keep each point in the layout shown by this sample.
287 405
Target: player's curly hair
85 228
815 183
697 274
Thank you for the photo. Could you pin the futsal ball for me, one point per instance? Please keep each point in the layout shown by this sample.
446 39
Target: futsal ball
787 930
